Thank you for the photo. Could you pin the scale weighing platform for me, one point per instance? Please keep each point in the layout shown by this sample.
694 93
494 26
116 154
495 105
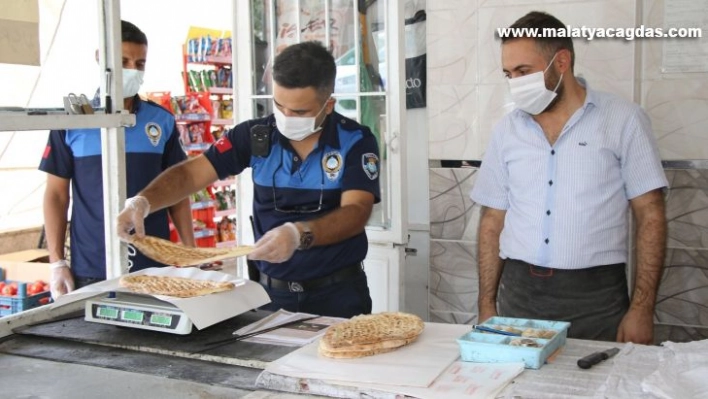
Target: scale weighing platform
137 311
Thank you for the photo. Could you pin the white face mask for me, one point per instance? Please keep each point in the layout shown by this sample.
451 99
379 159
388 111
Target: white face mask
529 92
296 128
132 80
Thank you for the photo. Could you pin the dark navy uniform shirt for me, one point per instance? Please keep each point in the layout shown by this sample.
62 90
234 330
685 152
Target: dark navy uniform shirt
345 158
151 146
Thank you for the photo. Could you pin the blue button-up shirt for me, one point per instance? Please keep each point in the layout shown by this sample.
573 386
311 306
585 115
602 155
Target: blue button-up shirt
345 158
567 204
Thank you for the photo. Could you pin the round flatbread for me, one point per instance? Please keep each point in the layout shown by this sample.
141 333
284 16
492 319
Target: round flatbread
179 287
169 253
366 335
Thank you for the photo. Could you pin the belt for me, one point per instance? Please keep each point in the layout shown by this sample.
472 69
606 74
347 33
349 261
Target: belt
343 274
542 271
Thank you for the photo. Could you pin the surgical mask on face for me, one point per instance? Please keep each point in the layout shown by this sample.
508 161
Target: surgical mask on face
296 128
132 80
529 92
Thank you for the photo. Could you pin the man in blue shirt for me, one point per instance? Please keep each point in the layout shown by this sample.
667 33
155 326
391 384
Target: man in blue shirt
73 157
316 179
557 181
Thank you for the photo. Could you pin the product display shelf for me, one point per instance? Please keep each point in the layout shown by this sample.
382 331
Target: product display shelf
207 72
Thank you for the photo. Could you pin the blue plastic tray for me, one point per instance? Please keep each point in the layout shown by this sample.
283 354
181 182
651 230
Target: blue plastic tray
485 347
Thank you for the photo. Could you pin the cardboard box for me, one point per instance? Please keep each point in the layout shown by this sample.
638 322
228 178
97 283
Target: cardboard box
28 265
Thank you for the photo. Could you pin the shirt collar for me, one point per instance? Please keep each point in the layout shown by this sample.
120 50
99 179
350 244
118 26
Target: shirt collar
590 94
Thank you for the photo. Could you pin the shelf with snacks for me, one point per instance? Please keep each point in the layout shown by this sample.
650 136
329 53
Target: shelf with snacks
207 69
225 214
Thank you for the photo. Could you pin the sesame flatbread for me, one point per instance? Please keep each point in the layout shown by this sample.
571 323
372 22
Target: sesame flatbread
367 335
179 287
169 253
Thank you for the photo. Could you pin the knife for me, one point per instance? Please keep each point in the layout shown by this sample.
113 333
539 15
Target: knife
595 358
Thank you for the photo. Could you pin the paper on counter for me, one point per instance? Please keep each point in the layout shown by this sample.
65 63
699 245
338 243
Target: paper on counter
629 368
414 365
203 310
293 335
462 380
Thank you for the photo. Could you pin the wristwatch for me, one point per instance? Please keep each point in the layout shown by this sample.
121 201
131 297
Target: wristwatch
306 237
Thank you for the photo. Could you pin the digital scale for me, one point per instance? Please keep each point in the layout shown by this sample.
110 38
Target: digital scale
137 311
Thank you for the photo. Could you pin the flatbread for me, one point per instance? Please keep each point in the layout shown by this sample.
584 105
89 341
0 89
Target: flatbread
367 335
169 253
352 354
180 287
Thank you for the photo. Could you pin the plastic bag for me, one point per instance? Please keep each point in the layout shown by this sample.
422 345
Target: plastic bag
416 63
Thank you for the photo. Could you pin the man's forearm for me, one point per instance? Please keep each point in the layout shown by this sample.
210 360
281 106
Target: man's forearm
490 265
651 250
340 224
55 222
178 182
181 214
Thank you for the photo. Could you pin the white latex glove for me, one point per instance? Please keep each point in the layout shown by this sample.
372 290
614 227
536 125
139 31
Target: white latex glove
133 217
277 245
61 282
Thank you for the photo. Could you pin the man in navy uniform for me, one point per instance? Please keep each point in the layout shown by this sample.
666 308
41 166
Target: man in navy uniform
73 157
316 180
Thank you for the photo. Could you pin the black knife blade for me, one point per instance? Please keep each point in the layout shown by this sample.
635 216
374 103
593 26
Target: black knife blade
597 357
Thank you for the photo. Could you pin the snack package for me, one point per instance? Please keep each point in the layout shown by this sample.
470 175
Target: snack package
227 109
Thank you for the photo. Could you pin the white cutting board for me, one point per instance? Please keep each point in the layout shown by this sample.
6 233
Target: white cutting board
415 365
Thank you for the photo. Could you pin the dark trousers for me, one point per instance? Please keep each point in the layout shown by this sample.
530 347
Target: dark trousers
80 282
593 300
343 299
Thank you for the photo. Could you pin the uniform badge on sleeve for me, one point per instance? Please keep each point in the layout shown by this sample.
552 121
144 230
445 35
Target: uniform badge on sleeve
370 163
153 132
332 164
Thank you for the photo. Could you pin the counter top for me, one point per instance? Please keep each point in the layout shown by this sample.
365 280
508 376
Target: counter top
237 365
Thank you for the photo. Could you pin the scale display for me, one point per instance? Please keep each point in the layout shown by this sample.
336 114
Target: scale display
161 319
138 312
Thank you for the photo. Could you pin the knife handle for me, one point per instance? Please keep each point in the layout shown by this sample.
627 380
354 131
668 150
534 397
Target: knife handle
592 359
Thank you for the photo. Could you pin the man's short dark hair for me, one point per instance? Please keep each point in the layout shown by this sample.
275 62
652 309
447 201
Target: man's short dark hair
306 64
548 45
132 34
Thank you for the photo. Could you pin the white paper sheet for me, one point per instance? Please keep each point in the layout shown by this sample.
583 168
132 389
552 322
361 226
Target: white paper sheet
294 335
462 380
414 365
205 310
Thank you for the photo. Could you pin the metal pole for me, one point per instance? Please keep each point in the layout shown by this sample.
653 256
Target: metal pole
112 139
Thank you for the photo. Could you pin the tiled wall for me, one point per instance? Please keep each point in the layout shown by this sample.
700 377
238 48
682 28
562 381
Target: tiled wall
468 95
683 294
453 246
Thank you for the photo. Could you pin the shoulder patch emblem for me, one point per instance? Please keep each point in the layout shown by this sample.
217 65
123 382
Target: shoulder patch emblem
370 164
332 164
153 132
